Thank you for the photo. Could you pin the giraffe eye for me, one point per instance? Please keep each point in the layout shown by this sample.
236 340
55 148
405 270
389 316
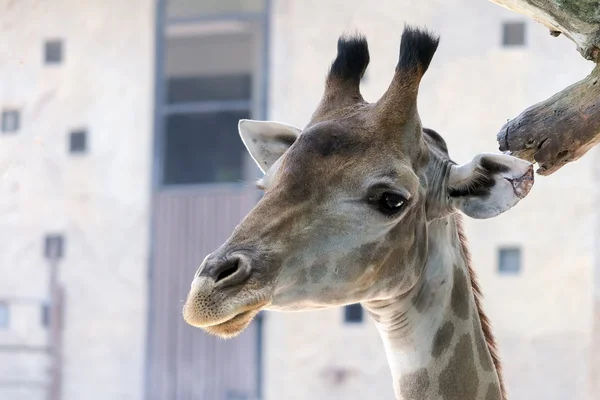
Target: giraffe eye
391 203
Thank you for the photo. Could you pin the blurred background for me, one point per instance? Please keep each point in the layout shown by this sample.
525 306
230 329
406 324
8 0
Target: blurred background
121 168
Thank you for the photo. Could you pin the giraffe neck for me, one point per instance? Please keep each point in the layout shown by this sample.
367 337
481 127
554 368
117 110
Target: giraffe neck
433 336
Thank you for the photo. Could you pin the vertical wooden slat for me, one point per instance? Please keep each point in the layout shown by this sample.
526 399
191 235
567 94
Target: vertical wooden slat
178 273
159 302
186 363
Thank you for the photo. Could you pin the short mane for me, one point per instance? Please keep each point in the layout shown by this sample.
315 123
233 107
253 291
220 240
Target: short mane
485 322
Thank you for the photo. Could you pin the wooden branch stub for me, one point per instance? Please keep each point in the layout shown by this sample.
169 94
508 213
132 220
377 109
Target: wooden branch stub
579 20
558 130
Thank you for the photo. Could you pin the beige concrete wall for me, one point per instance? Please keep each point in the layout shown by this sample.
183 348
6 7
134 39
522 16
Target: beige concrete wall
594 377
542 316
100 201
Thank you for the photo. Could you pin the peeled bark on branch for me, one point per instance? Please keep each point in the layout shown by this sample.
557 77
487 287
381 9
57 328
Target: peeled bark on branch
558 130
567 125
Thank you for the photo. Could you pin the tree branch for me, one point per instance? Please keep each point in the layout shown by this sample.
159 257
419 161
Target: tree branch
558 130
564 127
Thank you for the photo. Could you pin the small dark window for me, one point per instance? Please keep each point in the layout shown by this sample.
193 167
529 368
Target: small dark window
513 34
78 142
54 247
4 315
53 51
509 260
353 313
10 121
45 315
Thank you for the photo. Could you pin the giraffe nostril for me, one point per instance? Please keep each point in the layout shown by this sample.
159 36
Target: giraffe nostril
227 270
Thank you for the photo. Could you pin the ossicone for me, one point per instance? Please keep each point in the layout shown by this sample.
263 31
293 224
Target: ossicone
417 48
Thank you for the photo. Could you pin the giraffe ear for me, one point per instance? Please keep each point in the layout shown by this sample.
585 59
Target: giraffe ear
489 185
266 141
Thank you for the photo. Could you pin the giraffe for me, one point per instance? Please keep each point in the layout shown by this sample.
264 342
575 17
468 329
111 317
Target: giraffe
364 205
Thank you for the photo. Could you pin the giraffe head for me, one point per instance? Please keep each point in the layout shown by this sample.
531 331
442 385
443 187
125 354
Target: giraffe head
347 200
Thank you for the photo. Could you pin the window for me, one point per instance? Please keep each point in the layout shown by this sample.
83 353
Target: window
46 315
54 247
204 148
353 313
78 141
10 121
513 34
235 86
4 315
53 52
211 82
509 260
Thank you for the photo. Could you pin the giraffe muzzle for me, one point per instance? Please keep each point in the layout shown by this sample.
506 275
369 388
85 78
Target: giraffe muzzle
224 297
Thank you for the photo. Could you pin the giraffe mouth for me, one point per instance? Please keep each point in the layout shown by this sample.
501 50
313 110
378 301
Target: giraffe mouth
522 186
233 326
221 317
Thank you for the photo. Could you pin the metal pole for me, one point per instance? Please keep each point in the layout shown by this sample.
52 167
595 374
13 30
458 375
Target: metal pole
55 333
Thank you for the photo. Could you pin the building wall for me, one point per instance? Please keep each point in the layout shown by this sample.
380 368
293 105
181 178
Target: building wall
98 200
542 316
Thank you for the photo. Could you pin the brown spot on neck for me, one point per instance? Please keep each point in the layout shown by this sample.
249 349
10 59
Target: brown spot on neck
442 339
414 386
493 392
319 269
460 298
459 380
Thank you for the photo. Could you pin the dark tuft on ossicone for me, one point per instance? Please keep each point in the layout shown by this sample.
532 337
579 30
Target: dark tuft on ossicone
417 48
352 58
